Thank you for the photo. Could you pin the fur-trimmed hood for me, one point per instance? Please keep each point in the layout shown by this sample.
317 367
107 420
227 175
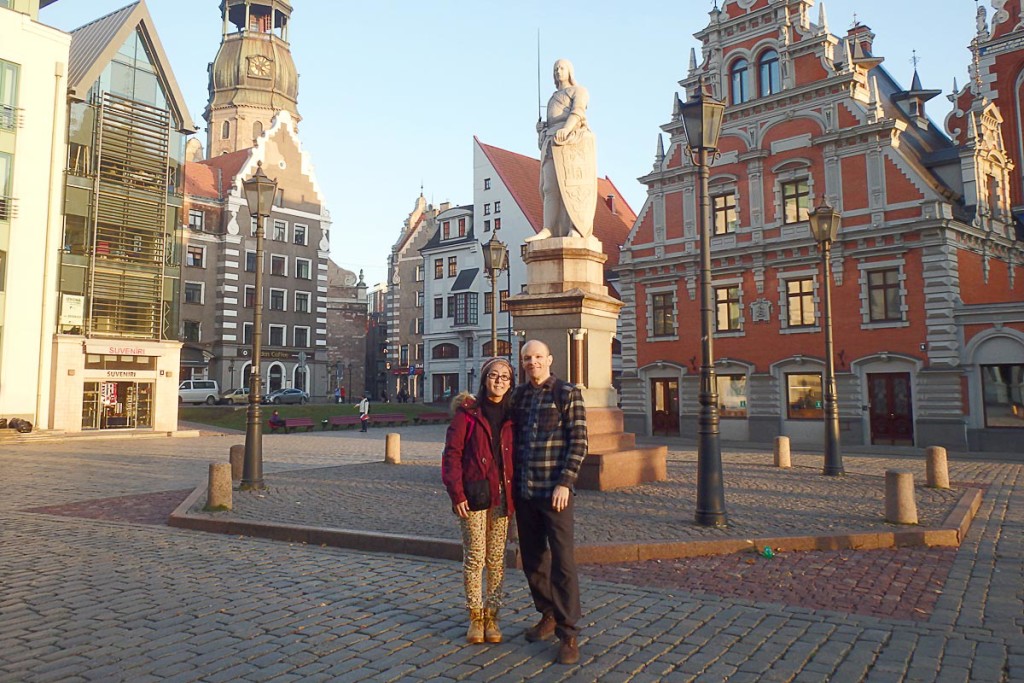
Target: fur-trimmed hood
464 400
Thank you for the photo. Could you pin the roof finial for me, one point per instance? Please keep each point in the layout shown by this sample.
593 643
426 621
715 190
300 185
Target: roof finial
822 18
914 59
693 60
855 23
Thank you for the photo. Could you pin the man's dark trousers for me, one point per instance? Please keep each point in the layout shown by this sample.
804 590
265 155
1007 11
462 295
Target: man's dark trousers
549 562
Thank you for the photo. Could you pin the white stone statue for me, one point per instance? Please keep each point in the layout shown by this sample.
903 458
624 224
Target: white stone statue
568 152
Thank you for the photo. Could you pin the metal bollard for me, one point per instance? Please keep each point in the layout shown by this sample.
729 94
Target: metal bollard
937 469
218 492
900 505
393 449
236 457
782 452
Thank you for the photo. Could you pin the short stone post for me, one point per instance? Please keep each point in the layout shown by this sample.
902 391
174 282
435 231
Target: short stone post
782 452
900 506
237 457
937 468
218 492
393 449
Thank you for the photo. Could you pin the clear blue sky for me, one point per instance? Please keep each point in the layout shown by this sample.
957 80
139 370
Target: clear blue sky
393 91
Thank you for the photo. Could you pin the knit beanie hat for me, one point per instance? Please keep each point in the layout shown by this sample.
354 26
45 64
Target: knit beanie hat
495 364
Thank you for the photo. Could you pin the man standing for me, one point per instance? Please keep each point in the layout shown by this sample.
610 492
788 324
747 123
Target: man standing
364 412
550 443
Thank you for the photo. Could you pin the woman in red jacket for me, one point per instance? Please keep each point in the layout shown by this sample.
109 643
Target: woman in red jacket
477 471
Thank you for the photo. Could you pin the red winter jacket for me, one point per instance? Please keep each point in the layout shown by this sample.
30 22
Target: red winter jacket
467 460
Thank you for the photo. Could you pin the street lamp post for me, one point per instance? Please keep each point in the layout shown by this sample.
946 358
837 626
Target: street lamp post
495 260
350 396
702 123
825 226
259 195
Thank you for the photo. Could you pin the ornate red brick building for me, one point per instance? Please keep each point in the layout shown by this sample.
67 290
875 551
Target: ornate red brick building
927 271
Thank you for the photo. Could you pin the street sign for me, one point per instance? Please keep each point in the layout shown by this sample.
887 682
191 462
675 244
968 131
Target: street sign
302 358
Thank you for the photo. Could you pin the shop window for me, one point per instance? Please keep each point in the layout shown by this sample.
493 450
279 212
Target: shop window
804 397
800 302
1003 391
732 396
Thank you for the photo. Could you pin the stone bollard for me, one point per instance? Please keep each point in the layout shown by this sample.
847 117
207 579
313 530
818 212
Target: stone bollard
236 458
393 449
218 493
782 452
937 468
900 506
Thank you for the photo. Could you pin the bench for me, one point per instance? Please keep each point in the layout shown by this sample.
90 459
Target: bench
432 418
292 423
389 419
342 421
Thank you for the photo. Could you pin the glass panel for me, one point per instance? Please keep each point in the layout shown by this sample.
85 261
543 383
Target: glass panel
732 396
1002 386
804 397
91 406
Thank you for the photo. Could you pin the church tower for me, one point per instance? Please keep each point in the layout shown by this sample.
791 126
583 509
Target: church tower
253 76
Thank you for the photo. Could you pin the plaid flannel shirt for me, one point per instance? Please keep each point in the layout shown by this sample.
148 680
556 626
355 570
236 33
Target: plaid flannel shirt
549 446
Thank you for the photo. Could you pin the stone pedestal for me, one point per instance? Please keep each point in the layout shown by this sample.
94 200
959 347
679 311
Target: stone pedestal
567 306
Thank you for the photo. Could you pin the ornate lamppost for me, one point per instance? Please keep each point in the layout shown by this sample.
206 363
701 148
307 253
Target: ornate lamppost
495 260
702 123
825 226
259 195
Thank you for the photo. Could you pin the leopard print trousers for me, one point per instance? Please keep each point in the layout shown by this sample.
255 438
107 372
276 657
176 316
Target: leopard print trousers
483 545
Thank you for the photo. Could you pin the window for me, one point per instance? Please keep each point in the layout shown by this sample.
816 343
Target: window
732 396
419 299
8 91
884 295
446 230
438 268
469 348
303 268
6 180
302 302
727 308
466 309
804 397
252 226
280 231
487 304
1002 387
444 352
796 201
497 207
278 265
497 224
738 77
438 308
250 261
196 219
487 225
419 273
299 234
462 227
487 209
418 352
724 208
247 334
300 337
503 300
417 327
277 297
225 130
193 292
257 129
195 257
190 330
277 333
768 66
663 314
453 266
451 306
250 296
800 302
487 183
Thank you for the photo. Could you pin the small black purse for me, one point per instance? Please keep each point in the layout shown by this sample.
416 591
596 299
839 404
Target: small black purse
478 494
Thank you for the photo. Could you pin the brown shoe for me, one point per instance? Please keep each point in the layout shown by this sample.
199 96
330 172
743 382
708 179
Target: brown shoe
568 651
475 633
492 632
542 630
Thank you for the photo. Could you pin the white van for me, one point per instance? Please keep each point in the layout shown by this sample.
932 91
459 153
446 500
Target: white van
198 391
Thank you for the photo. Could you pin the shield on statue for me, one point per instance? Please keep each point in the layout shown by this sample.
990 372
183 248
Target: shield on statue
576 170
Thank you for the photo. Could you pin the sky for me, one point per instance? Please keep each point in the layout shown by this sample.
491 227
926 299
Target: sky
392 92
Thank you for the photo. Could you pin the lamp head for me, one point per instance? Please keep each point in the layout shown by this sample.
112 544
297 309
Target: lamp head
495 253
702 120
824 222
259 192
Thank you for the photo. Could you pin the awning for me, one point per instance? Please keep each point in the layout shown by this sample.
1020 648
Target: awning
465 279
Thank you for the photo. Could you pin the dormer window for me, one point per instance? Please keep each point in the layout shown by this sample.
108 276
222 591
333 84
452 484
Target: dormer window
770 78
738 78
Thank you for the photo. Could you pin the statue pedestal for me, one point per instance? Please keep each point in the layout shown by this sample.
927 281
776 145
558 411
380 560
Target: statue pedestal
567 306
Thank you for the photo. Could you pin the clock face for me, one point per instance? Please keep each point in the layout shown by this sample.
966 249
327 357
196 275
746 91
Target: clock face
259 66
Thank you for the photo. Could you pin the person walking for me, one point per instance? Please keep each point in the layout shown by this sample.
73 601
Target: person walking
364 412
337 394
550 424
476 468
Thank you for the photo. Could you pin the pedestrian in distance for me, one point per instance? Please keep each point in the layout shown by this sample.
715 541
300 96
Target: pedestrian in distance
364 412
337 394
476 468
550 424
343 399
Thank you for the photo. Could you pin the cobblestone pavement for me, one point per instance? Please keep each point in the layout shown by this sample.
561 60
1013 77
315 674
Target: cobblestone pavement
104 600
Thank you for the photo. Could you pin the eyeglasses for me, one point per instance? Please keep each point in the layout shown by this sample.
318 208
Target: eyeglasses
495 377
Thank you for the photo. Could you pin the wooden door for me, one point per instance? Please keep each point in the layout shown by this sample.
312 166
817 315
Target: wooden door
892 416
665 407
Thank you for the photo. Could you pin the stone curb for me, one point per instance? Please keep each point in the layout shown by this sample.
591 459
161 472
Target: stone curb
950 534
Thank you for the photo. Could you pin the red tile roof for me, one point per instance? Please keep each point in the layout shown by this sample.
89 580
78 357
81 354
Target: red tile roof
213 177
521 175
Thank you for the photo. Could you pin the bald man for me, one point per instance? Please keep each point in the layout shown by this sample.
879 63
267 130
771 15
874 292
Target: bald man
550 443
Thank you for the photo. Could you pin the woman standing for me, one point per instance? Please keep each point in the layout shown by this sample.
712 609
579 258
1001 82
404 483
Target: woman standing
477 471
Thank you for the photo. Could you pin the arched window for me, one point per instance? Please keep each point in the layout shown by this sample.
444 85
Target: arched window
770 80
299 381
275 378
257 129
738 77
225 130
442 351
504 348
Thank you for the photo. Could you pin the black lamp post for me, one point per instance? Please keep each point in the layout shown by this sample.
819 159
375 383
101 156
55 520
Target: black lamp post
825 226
259 195
495 255
702 123
350 396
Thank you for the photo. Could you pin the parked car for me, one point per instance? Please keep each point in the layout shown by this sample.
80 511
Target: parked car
286 396
235 396
198 391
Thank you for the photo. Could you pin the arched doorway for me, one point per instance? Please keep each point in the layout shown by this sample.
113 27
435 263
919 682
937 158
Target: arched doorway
275 377
300 378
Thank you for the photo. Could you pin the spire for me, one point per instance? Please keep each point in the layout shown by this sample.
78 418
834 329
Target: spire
659 155
693 61
875 111
677 107
822 18
847 56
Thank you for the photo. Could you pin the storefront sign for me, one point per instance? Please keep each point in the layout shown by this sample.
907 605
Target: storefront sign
72 309
279 355
122 374
119 349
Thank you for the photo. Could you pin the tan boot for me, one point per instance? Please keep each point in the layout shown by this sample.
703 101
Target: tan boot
475 634
492 633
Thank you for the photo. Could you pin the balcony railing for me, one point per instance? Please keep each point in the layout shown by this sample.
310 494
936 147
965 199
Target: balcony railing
8 208
10 117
